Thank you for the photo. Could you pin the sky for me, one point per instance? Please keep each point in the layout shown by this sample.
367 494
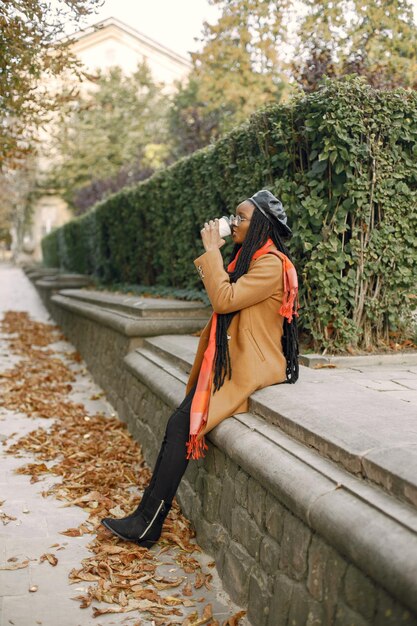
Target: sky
173 23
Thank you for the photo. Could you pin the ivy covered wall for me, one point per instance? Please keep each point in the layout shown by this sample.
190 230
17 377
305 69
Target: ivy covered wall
343 160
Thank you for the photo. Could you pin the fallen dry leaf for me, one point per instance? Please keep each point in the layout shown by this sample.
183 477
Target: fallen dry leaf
51 558
98 462
234 620
15 565
187 591
71 532
97 396
203 579
195 620
324 366
6 518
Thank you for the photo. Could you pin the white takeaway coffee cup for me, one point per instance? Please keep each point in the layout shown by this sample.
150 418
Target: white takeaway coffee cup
224 227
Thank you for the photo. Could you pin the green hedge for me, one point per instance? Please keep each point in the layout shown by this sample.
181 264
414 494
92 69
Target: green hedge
344 162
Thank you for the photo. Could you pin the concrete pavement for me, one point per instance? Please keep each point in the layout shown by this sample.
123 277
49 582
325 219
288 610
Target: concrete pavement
31 525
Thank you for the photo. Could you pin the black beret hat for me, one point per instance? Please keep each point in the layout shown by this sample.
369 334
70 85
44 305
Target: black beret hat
273 210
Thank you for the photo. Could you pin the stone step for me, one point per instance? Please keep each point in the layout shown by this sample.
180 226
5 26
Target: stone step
140 306
160 377
373 436
179 351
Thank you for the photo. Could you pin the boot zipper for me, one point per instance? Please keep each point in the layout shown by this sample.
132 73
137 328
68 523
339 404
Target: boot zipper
152 521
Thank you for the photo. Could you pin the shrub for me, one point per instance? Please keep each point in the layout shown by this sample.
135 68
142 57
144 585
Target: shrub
343 162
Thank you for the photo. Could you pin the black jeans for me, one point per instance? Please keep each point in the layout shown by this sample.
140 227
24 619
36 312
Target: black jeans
172 462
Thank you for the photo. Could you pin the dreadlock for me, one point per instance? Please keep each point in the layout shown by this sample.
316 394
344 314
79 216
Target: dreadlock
259 230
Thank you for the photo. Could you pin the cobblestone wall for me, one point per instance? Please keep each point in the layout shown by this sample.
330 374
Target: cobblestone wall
102 348
269 560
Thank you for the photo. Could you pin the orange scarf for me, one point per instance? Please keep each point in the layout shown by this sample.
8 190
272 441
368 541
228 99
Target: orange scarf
201 399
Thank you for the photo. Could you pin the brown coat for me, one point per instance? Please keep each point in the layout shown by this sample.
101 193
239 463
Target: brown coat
255 332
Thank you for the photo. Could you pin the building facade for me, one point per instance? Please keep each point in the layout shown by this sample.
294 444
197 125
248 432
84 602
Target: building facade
105 44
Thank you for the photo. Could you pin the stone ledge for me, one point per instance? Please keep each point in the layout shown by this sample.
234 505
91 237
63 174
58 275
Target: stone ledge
33 273
166 383
129 325
59 281
140 306
360 361
168 347
354 516
360 435
356 519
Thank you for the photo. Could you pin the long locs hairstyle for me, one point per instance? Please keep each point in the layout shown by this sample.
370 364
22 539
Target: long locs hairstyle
259 230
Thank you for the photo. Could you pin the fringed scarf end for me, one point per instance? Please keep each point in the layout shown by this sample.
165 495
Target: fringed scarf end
289 307
195 447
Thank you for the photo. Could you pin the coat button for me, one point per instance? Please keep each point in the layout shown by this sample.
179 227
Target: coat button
200 270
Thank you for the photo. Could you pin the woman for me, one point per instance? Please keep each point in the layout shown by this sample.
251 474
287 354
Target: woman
250 342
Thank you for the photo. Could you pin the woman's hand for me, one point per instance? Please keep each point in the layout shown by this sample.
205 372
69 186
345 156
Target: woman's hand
210 235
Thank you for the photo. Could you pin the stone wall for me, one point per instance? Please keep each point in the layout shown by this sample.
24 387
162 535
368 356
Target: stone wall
101 347
268 558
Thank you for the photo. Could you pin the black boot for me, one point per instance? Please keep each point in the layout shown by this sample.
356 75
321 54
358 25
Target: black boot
149 488
146 527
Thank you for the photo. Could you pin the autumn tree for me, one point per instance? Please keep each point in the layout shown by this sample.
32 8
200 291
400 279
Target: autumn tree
112 136
30 55
240 66
18 194
190 123
377 40
260 51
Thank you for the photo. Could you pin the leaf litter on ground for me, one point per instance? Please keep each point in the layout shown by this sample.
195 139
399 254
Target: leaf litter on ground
99 462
